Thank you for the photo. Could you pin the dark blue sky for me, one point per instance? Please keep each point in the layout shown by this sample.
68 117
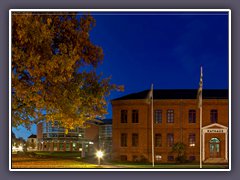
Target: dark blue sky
165 49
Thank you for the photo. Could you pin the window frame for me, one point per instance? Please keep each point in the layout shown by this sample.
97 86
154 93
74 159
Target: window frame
192 139
158 116
158 135
135 116
170 139
123 140
135 139
123 117
192 116
170 116
213 116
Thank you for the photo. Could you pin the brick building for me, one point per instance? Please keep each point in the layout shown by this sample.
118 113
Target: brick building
176 119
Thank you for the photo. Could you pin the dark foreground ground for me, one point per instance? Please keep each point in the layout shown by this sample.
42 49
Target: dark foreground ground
46 160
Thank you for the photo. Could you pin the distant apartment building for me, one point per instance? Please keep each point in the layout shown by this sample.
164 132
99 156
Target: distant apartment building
86 140
176 120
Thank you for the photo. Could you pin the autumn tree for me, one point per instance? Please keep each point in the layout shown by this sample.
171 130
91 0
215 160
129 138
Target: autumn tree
54 70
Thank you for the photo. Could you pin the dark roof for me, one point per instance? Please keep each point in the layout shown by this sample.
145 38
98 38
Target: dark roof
178 94
33 136
106 121
99 121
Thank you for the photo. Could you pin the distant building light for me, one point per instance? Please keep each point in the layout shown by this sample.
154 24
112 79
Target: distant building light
15 149
91 142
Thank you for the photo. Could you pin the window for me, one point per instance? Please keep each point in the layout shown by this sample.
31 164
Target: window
134 116
170 139
134 158
123 116
158 116
158 140
192 140
67 147
61 146
214 116
158 157
123 158
170 116
134 140
192 158
123 140
170 158
192 116
55 146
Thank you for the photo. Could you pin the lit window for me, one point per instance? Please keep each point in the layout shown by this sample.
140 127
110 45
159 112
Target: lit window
192 140
158 157
158 116
170 116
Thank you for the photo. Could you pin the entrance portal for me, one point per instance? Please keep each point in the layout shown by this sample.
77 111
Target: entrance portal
214 148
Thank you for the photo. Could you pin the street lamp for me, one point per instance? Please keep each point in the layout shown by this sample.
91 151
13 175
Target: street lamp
99 156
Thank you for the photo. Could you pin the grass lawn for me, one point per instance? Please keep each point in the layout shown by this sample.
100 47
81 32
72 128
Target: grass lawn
59 154
48 160
172 166
48 163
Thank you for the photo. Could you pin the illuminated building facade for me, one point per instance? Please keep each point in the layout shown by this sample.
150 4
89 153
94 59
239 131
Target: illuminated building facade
52 137
176 120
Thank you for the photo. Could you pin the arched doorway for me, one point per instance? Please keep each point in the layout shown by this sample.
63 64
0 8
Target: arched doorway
214 148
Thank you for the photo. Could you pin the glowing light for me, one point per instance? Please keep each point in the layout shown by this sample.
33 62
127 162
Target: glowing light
99 154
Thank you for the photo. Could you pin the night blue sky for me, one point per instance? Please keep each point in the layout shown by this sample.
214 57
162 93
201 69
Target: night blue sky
166 49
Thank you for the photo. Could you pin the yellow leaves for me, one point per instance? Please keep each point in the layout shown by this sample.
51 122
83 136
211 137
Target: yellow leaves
49 21
54 50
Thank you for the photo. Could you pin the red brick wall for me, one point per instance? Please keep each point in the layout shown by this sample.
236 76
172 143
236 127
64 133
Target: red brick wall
181 128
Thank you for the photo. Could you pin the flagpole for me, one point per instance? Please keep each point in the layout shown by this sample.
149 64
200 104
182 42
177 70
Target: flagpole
152 126
200 136
200 108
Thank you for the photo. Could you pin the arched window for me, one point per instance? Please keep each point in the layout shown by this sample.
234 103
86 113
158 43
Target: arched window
214 140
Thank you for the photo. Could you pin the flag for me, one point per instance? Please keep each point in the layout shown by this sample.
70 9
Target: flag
150 94
199 95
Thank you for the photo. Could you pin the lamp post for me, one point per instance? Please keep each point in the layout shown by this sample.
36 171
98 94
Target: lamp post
99 156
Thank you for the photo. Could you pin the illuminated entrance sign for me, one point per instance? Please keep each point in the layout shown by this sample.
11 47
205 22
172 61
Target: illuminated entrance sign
214 130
